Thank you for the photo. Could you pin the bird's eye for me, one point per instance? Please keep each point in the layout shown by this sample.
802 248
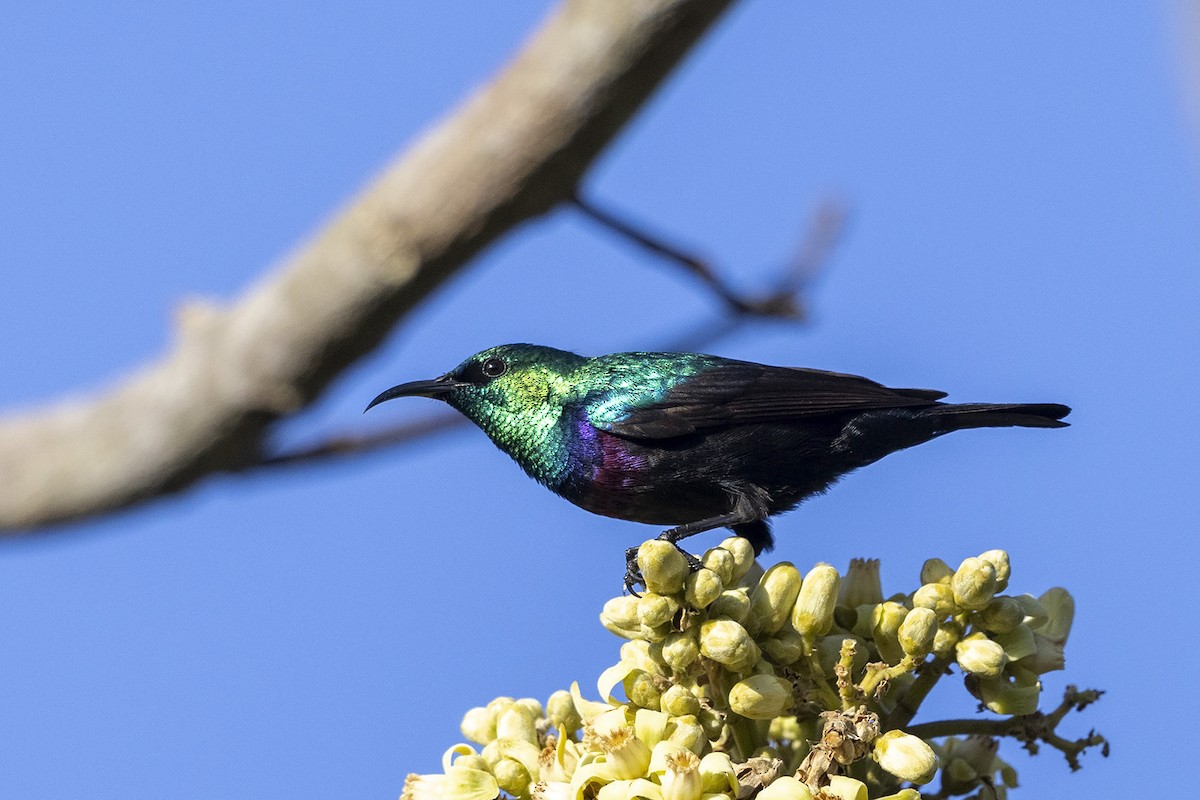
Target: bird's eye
494 367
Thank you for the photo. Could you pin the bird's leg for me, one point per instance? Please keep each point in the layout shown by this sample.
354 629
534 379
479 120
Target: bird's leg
744 511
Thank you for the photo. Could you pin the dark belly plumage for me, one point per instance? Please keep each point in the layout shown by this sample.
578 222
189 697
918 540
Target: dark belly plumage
698 476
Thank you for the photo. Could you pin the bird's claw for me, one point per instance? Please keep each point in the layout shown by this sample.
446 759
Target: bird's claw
633 575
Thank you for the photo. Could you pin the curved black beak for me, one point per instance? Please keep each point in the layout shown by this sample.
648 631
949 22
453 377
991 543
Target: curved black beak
436 388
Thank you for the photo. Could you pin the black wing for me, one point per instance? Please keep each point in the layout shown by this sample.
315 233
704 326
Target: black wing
739 392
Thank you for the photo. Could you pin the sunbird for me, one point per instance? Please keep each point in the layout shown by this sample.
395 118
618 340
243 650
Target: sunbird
695 441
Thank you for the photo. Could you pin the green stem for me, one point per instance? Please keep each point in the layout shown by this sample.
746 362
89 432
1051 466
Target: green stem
928 674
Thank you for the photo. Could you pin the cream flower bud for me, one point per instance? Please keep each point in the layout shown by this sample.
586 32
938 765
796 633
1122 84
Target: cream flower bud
949 634
785 787
728 643
917 631
458 783
560 709
812 615
733 604
678 701
999 560
772 600
980 656
907 757
938 597
843 787
936 571
1001 615
974 584
479 725
687 731
862 585
517 722
638 654
656 609
1060 607
678 771
785 647
512 777
663 566
885 630
642 690
743 555
720 561
702 587
1015 695
620 615
680 650
761 697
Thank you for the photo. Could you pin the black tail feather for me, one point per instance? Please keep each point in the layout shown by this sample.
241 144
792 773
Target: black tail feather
1001 415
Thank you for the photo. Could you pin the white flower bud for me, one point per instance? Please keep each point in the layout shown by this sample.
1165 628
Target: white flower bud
656 609
1001 615
479 725
720 561
907 757
812 615
772 600
620 615
949 634
512 777
701 588
663 567
938 597
917 631
678 701
733 604
885 630
974 584
728 643
743 556
517 722
761 697
980 656
680 650
999 560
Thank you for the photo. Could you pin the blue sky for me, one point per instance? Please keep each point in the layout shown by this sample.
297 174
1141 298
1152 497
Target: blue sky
1023 187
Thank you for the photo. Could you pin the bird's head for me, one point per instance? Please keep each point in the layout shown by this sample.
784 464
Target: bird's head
509 391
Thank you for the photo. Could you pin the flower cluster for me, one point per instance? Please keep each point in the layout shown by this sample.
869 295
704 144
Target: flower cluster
739 682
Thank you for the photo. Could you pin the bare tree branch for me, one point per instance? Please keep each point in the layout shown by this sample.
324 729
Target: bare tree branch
513 150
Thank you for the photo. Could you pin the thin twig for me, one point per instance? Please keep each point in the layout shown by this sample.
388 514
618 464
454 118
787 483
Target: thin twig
1029 728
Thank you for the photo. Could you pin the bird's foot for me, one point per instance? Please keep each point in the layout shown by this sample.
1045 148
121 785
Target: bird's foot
633 573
